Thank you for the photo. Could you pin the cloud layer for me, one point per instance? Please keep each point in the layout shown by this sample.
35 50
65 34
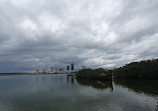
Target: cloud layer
95 33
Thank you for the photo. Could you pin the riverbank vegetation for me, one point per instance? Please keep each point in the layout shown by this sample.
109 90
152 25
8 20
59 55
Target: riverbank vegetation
138 70
99 74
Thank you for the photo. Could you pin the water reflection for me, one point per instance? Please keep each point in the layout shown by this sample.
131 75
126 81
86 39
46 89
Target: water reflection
65 93
141 86
96 84
148 87
70 79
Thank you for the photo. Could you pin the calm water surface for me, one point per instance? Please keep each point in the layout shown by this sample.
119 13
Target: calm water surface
62 93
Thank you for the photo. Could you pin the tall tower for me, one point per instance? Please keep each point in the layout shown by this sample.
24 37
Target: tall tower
68 68
72 66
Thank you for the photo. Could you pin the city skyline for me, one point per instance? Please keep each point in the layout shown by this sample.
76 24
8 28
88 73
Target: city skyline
91 33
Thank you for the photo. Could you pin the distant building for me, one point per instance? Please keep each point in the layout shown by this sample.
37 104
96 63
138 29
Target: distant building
56 69
61 69
83 67
68 68
72 66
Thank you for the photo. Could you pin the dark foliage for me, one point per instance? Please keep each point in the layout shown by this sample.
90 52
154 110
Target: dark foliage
95 83
141 86
93 74
138 70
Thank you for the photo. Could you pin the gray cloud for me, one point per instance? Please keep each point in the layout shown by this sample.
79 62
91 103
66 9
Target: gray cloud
104 33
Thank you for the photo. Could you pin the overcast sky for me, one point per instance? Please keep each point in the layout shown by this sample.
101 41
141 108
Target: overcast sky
95 33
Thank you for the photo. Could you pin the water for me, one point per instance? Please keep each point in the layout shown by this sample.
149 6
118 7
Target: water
62 93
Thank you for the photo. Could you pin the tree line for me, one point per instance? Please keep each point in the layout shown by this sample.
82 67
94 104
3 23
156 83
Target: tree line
147 69
99 74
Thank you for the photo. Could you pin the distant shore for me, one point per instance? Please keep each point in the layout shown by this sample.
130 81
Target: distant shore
10 74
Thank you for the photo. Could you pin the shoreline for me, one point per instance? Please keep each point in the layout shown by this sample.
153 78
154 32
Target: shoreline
12 74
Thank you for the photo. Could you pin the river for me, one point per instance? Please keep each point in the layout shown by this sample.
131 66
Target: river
62 93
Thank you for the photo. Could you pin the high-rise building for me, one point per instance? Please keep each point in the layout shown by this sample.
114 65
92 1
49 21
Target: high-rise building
68 68
72 66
